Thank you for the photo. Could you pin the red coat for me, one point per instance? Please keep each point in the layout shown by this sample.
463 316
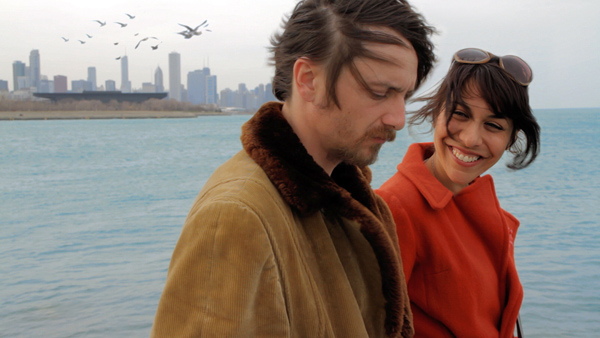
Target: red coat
457 252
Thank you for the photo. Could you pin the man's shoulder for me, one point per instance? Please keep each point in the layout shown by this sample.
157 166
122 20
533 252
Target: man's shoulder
240 187
240 180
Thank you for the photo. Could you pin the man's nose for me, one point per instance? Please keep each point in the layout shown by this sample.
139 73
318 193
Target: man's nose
396 114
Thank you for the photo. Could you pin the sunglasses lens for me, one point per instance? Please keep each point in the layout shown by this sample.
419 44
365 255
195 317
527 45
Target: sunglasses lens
517 68
473 55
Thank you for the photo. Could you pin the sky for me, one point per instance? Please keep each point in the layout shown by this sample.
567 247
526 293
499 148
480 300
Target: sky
560 39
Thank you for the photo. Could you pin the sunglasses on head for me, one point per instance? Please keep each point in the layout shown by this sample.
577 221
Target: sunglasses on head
513 65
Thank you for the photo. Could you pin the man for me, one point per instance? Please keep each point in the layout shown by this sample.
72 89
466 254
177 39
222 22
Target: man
287 239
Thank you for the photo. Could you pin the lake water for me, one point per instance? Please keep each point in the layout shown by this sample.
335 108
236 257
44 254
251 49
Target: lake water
90 211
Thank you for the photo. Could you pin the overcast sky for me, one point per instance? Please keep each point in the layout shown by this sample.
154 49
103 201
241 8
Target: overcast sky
560 39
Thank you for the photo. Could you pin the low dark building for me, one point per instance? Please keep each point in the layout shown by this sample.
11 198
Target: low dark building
102 96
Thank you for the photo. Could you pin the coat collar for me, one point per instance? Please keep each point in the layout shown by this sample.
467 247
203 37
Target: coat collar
271 142
436 194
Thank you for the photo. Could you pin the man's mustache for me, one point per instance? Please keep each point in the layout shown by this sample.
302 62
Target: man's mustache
384 132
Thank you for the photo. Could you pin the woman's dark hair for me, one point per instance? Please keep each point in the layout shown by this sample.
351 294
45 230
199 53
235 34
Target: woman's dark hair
506 98
334 33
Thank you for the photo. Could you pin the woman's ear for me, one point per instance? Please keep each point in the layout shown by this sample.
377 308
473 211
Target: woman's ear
305 73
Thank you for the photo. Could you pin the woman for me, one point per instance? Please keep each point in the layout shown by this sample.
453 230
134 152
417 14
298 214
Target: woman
455 239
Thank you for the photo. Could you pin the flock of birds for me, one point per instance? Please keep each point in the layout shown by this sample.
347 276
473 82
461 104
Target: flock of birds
188 33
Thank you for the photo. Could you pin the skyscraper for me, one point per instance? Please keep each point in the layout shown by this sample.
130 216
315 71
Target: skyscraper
211 90
60 84
175 76
269 96
196 84
78 86
18 71
110 85
260 93
227 98
45 86
125 83
158 80
92 77
34 68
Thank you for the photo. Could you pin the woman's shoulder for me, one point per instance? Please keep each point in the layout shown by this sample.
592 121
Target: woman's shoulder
404 184
400 192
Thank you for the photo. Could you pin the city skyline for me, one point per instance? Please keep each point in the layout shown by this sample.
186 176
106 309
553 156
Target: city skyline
122 77
23 69
237 47
199 87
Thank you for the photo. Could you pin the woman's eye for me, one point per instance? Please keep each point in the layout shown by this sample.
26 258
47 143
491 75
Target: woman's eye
459 114
495 126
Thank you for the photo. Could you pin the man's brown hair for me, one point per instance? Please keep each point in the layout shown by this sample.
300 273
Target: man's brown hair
334 33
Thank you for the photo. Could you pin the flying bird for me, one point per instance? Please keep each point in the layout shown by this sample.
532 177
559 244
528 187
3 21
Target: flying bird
82 42
193 31
64 38
155 47
100 22
130 16
89 36
118 58
122 24
115 43
144 39
186 34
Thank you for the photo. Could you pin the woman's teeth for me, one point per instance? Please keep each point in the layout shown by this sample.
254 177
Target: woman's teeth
463 157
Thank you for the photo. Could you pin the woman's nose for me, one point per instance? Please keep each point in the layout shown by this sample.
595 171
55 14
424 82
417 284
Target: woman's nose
471 135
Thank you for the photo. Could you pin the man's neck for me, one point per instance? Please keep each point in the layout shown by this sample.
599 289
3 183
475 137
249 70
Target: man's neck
299 118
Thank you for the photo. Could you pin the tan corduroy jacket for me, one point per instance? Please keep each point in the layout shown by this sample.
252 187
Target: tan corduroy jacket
274 247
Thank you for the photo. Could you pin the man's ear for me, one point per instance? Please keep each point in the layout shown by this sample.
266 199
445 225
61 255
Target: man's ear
305 74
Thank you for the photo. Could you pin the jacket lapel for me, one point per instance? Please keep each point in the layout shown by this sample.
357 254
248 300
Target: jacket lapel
271 142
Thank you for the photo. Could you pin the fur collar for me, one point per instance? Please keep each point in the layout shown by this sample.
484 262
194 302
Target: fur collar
270 141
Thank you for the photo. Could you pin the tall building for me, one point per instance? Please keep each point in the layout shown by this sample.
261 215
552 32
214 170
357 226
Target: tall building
46 86
125 83
269 96
175 76
92 77
18 71
23 82
249 101
196 85
34 68
260 93
158 80
184 94
110 85
60 84
78 86
148 87
227 98
211 90
3 86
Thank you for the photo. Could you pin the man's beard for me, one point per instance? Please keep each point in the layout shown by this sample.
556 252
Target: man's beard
357 153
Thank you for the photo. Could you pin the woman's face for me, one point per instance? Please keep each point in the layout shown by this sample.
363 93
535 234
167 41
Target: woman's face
479 139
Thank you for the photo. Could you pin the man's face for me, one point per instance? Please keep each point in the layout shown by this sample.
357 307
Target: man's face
367 118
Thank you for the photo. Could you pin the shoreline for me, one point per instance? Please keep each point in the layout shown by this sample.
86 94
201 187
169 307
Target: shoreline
96 115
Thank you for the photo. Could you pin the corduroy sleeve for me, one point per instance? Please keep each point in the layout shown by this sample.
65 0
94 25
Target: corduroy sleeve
223 279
